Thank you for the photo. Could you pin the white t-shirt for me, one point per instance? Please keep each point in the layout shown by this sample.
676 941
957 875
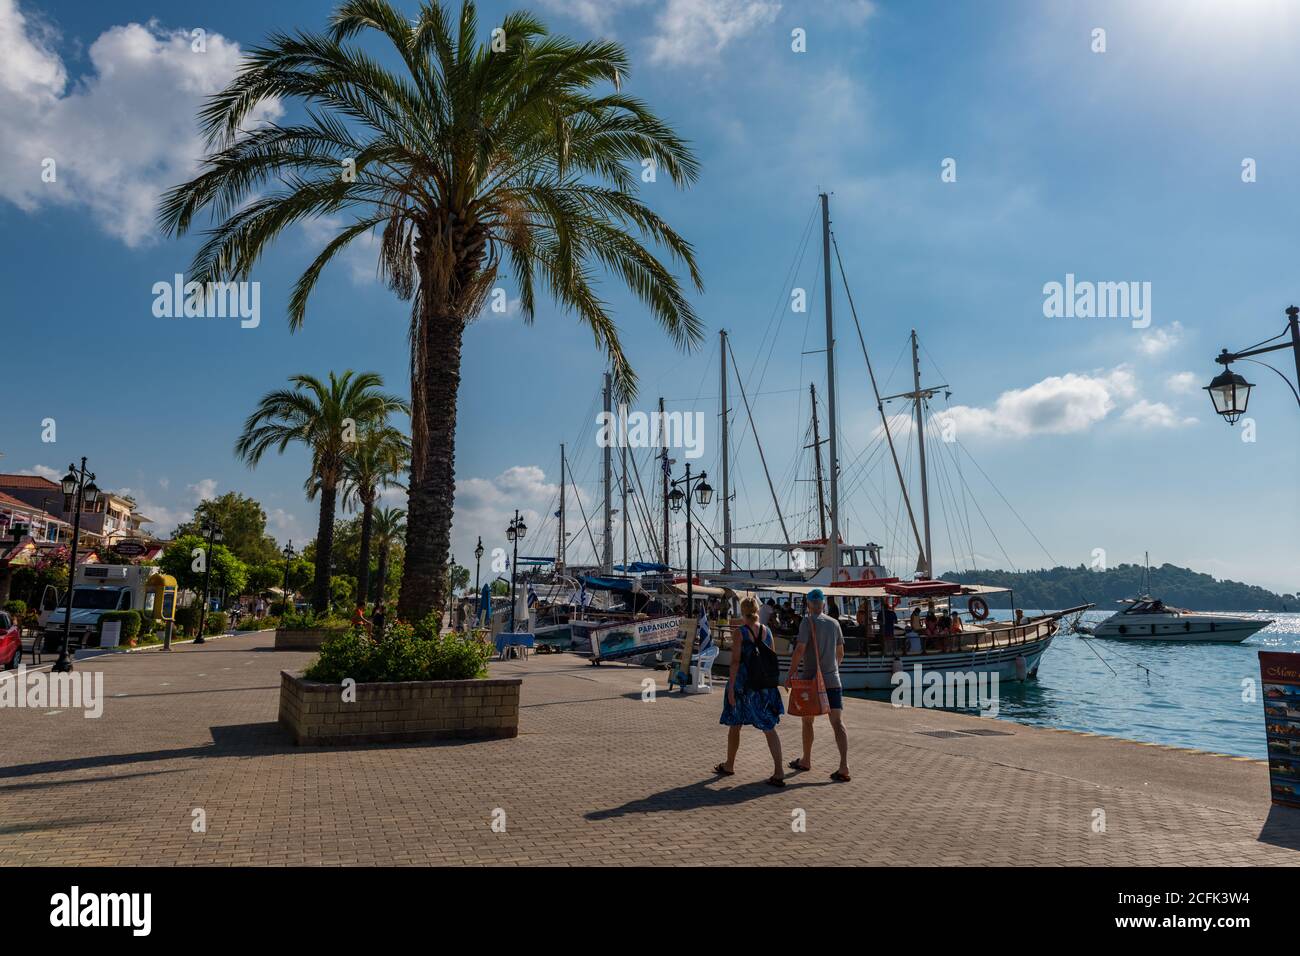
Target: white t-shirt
765 612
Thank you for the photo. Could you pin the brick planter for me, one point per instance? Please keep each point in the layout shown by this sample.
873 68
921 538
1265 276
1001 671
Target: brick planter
315 714
309 640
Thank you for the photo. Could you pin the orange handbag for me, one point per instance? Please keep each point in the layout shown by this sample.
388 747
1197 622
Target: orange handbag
808 696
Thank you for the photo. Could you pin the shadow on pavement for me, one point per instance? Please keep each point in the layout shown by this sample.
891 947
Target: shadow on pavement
694 796
1282 828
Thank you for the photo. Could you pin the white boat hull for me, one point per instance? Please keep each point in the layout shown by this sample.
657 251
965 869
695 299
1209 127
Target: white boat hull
875 672
1204 629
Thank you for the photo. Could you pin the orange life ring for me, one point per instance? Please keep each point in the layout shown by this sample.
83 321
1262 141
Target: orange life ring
978 607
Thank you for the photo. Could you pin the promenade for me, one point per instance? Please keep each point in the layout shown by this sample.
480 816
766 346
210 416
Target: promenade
596 775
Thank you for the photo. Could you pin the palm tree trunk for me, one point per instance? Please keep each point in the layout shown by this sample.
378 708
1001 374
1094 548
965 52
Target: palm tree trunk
435 380
381 575
324 547
363 564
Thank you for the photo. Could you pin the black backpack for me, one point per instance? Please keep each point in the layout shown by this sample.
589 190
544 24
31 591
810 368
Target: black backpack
763 668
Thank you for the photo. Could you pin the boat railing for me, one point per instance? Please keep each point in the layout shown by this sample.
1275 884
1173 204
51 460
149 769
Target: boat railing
985 637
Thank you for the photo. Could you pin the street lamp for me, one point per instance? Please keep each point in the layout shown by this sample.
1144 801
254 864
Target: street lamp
284 591
1230 392
214 537
516 531
703 495
478 563
79 485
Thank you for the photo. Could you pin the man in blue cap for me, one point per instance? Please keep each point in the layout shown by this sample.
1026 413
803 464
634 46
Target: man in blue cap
825 630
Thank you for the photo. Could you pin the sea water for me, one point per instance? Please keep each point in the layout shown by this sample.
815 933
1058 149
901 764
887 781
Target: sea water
1203 696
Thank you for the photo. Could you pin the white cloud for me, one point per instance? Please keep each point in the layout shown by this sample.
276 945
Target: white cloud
1058 405
43 471
1184 383
1147 414
696 31
119 136
1158 341
286 527
165 519
595 15
203 489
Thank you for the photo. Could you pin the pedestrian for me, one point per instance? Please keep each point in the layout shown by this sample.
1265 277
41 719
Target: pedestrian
377 622
752 695
829 652
888 623
766 612
359 622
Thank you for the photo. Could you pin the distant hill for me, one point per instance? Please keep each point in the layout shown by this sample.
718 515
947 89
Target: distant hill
1181 587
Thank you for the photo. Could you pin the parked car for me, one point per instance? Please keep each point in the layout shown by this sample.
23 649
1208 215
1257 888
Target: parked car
11 644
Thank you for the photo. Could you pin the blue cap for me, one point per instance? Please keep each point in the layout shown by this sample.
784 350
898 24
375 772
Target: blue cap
816 595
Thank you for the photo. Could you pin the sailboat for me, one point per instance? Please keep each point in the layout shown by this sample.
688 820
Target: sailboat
1013 650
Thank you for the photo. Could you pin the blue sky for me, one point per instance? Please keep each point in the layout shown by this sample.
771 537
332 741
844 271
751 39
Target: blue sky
1115 166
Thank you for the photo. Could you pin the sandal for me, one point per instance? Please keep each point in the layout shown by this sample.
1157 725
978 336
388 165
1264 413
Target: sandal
796 765
722 771
840 777
776 781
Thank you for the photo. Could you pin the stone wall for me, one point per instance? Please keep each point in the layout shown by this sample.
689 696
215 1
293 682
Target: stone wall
308 640
316 715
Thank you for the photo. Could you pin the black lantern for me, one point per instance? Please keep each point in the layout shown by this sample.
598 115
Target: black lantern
1229 392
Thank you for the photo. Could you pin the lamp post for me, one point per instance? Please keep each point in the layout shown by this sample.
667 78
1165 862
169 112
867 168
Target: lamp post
78 484
478 563
516 531
284 590
703 494
451 591
1230 392
214 537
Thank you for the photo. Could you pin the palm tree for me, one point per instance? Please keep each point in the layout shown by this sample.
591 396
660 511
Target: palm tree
468 159
390 526
326 418
372 464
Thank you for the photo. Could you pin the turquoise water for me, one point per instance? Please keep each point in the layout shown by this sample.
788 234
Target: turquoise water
1189 695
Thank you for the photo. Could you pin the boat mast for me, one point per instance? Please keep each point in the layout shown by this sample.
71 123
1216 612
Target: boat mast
607 547
833 543
663 440
726 467
622 517
817 458
559 549
920 438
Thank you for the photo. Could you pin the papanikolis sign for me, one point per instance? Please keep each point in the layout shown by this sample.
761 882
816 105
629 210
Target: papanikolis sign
1280 677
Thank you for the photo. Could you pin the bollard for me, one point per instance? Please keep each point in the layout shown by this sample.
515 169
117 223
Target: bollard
167 635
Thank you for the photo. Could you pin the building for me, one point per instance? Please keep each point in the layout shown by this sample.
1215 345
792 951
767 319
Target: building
108 520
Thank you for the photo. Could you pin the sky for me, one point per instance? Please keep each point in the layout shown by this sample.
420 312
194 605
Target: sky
973 152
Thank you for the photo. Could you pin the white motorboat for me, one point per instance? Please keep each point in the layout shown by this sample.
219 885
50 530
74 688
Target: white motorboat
1150 619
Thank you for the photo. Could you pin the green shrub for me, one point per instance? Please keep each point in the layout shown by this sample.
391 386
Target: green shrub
257 624
402 656
187 619
216 622
16 608
148 623
130 623
308 620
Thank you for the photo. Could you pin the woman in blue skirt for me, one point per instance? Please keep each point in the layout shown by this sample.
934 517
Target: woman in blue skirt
758 708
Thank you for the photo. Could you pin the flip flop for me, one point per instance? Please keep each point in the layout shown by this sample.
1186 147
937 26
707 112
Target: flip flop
722 771
796 765
776 781
840 777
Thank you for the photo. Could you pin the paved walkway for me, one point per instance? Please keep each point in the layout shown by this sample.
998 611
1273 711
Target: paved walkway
596 776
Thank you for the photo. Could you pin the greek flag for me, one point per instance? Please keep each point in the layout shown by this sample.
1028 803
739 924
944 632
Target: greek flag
704 640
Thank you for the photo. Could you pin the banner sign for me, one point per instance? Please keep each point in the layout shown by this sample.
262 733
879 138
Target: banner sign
130 548
1280 674
635 637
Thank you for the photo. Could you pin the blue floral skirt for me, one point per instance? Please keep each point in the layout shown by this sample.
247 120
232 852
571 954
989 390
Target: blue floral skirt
754 708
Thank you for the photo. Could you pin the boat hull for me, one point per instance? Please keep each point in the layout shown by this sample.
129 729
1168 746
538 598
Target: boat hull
1199 631
875 672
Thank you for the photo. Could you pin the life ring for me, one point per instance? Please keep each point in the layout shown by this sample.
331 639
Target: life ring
978 607
895 601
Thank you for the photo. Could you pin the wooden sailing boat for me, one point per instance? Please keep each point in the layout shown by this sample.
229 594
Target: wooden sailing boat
1013 650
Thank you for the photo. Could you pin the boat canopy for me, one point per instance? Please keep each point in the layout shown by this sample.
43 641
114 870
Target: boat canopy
709 590
643 567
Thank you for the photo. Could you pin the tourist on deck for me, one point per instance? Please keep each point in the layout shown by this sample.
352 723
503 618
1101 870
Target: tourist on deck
759 707
914 622
833 609
829 652
766 612
888 625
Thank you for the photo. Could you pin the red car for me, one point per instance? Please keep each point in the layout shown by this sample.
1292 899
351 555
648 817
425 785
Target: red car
11 646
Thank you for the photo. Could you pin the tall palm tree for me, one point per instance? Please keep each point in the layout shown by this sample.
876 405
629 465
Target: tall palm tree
520 153
327 418
390 527
380 454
